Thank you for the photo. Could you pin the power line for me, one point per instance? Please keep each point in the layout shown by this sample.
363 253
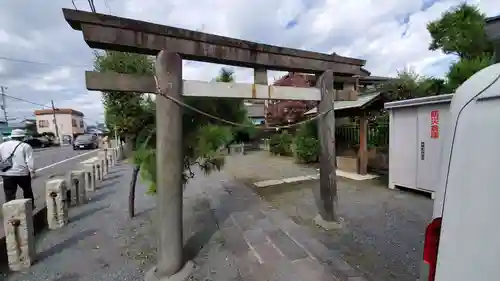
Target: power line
38 62
24 100
107 6
38 104
34 103
92 7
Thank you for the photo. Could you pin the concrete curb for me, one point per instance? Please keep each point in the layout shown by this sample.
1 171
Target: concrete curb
40 223
268 183
339 173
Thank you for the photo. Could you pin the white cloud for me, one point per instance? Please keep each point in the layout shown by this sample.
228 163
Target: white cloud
13 40
390 34
50 81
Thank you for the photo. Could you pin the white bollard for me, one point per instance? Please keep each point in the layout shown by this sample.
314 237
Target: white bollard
106 159
57 207
19 233
113 156
90 175
102 162
98 172
237 149
110 160
104 167
266 144
77 184
119 152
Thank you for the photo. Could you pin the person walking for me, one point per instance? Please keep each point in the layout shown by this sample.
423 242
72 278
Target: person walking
16 158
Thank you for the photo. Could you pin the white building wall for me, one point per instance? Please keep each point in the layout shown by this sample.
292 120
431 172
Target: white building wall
65 124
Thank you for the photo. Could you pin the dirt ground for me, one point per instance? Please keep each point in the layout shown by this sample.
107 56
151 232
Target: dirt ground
383 229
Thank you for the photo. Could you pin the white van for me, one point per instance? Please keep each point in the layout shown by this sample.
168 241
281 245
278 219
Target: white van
462 243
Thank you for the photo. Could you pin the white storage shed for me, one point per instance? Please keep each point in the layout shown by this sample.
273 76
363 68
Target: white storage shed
415 129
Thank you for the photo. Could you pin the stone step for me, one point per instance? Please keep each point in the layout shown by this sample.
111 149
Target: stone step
331 259
260 245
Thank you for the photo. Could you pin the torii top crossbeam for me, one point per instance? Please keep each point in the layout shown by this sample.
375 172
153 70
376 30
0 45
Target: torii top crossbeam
128 35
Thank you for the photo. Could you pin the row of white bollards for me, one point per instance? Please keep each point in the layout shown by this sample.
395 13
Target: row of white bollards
60 195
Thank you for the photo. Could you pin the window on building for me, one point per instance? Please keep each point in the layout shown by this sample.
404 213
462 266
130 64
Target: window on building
43 123
81 124
73 123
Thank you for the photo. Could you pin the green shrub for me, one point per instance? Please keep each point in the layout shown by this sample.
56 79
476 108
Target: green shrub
281 144
309 129
306 143
306 149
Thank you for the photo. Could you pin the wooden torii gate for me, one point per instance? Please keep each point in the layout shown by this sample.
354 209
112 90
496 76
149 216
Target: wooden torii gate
171 45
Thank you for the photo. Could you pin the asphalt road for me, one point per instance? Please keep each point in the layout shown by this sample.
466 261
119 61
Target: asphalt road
50 161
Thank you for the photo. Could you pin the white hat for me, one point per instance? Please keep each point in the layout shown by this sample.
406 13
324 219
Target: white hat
17 133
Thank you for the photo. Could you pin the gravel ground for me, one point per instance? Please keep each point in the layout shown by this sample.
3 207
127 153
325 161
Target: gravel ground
384 229
382 234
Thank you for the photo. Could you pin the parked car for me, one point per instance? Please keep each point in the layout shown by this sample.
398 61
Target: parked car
37 142
66 140
86 141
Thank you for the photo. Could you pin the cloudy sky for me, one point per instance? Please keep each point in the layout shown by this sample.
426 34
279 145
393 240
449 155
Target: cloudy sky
43 59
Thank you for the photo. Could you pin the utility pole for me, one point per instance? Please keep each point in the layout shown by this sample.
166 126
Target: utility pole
4 105
55 122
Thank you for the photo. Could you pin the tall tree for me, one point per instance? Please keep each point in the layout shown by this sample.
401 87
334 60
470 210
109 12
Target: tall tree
460 31
431 86
225 108
126 112
463 69
238 110
408 84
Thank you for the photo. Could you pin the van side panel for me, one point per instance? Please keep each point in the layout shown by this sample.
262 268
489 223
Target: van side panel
469 246
463 95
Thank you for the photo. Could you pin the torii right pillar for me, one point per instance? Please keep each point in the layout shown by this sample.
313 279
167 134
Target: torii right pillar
326 193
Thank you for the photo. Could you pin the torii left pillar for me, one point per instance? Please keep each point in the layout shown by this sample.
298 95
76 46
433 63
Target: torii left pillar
171 264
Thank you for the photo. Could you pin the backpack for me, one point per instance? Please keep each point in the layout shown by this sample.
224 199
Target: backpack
6 164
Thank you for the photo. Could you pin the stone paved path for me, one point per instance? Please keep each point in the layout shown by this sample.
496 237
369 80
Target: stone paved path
277 247
383 230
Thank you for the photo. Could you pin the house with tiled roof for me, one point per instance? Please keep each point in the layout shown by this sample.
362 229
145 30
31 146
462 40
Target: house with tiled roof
286 112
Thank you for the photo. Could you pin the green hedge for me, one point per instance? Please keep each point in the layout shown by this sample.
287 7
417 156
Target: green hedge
306 149
306 143
281 144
